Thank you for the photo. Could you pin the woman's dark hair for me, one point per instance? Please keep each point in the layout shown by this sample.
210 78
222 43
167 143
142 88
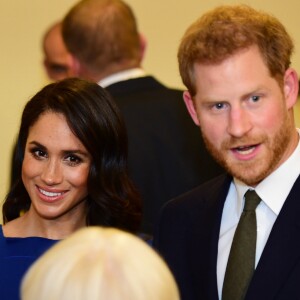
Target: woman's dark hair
95 120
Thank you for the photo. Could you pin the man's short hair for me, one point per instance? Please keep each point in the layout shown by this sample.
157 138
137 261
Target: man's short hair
226 30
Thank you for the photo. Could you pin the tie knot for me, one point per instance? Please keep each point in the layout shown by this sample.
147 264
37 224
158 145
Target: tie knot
251 200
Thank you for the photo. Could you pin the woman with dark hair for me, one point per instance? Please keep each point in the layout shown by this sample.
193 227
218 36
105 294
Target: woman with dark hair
71 172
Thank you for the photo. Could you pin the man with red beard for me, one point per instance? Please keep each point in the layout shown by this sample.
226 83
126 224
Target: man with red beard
235 63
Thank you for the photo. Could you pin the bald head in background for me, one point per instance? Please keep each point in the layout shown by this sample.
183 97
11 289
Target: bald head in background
58 62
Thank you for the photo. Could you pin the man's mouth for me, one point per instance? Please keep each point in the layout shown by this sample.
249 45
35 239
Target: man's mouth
244 150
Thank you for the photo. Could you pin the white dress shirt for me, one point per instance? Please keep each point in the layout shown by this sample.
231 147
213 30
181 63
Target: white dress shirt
121 76
273 191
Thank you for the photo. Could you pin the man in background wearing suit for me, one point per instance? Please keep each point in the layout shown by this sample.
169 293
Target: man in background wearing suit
166 153
235 63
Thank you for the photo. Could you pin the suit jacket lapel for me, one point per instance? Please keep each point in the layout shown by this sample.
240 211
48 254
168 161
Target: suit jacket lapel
204 238
281 252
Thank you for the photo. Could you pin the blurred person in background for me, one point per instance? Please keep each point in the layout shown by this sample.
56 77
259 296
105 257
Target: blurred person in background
58 62
167 155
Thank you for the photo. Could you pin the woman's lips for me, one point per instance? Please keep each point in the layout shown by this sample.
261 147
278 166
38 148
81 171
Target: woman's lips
50 195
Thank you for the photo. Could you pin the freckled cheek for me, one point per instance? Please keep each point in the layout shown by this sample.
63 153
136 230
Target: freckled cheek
30 168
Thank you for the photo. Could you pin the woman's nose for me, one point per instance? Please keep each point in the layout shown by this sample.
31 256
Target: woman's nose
52 173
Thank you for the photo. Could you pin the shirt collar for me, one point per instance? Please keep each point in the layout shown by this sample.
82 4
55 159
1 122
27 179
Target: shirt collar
121 76
274 189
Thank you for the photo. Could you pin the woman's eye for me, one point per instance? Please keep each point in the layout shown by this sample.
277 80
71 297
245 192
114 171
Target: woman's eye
38 153
73 160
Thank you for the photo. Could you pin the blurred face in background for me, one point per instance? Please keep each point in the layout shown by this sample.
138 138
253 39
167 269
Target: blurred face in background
58 62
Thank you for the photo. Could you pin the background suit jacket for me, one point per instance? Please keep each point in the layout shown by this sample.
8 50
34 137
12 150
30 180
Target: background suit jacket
187 237
167 156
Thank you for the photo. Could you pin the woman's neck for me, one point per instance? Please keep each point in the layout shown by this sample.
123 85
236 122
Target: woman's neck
32 225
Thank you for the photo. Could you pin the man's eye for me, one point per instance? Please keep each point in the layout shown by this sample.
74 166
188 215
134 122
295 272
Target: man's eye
255 98
58 68
219 105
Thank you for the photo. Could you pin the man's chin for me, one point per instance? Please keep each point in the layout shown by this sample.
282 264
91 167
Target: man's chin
248 172
251 176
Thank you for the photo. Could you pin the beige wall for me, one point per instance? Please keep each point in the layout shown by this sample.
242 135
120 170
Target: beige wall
163 22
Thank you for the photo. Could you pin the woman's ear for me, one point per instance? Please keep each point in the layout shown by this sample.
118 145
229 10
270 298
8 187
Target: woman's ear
189 102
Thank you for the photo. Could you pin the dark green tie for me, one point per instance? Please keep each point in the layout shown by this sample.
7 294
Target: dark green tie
241 261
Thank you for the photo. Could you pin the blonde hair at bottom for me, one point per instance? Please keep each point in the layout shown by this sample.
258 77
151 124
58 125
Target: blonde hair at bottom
98 263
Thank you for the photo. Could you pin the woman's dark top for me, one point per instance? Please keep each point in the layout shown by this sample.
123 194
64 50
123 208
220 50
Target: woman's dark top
16 256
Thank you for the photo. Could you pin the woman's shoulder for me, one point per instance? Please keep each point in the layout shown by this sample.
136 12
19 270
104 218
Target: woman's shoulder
16 255
13 228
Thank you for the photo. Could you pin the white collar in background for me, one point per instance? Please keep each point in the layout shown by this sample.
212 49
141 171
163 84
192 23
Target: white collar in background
121 76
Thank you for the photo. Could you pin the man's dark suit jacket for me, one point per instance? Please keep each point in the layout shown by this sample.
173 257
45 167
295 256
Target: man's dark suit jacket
187 237
166 152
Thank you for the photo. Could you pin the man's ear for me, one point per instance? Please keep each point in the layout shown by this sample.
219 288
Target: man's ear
190 105
290 87
143 46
